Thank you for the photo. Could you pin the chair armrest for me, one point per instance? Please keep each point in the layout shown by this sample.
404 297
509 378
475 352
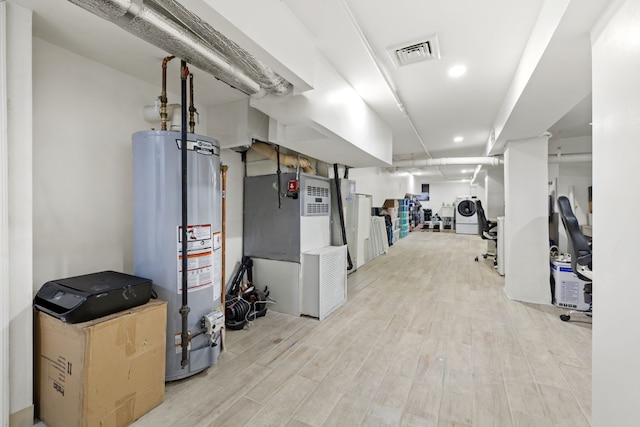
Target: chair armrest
584 260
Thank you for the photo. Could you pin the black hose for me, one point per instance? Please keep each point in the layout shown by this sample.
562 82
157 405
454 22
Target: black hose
341 214
184 310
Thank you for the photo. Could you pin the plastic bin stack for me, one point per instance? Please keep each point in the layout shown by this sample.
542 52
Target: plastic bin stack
404 217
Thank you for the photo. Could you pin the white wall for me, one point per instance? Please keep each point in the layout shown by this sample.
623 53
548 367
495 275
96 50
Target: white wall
84 116
382 185
447 192
234 215
576 178
616 126
16 143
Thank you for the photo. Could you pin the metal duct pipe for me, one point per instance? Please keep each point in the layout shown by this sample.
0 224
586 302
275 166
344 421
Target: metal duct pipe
160 28
223 173
285 159
258 71
571 158
449 161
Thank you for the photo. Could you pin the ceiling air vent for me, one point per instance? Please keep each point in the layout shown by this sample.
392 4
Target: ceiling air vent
424 50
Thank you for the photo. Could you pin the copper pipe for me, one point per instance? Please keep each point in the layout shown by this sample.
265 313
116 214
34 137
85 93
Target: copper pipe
192 108
163 96
223 169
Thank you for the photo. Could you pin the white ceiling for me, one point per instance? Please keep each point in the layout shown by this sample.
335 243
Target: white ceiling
488 37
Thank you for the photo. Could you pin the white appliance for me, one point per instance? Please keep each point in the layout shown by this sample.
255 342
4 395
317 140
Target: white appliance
466 215
324 281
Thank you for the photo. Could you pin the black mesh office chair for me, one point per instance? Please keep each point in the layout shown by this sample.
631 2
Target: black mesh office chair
580 252
485 230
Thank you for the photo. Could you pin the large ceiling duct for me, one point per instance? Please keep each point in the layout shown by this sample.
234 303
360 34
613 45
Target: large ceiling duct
449 161
171 27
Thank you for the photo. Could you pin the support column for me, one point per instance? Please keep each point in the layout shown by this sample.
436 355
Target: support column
526 236
616 126
4 221
16 208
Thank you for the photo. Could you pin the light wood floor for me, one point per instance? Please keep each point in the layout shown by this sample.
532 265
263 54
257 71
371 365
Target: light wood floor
426 338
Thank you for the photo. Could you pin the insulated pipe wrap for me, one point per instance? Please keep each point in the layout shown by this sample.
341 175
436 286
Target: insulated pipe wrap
449 161
163 33
168 25
285 159
111 10
258 71
571 158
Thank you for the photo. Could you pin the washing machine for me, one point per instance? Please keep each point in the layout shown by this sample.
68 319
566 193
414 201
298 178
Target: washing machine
466 215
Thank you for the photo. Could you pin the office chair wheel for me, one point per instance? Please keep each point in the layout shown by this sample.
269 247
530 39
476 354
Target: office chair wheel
484 256
565 317
476 259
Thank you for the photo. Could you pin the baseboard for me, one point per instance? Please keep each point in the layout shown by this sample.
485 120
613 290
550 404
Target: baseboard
22 418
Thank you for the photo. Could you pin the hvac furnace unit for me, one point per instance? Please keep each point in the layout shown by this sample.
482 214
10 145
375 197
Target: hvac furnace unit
280 227
157 239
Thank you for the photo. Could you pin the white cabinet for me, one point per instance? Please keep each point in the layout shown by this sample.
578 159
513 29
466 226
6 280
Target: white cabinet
324 280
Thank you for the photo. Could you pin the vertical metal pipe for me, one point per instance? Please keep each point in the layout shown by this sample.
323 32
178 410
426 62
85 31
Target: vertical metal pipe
278 173
192 108
223 169
184 310
343 230
163 95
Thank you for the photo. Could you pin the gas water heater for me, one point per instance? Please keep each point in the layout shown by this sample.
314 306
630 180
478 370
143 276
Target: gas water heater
157 247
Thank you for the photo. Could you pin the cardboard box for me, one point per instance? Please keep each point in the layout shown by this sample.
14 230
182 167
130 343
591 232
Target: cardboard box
105 372
568 289
390 203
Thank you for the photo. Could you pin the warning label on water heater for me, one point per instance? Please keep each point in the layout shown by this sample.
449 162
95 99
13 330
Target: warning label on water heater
199 257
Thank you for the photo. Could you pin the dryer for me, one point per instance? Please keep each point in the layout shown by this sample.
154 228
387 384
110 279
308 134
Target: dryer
466 215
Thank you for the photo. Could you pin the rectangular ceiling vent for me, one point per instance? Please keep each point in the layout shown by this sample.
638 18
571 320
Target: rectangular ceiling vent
418 51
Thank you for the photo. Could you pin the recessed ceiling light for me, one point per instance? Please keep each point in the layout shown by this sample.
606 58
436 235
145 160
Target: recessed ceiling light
458 139
457 70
